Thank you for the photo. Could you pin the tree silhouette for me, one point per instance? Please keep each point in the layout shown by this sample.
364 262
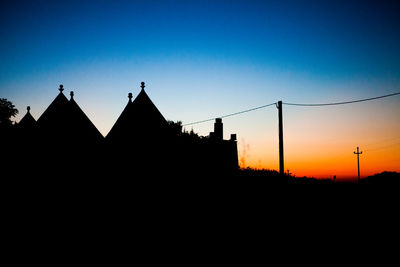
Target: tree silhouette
175 127
7 110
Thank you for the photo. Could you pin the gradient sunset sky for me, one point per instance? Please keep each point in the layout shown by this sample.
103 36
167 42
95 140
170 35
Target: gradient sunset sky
204 59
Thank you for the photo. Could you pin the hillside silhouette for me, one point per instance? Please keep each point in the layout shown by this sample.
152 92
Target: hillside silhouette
383 178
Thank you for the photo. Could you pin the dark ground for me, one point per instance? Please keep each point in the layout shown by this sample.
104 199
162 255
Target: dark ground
273 177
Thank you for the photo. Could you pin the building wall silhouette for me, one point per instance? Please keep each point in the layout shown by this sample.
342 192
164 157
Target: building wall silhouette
65 142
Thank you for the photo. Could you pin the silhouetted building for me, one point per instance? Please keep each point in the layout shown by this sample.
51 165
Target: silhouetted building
64 120
218 129
27 122
82 128
54 121
66 135
26 134
141 140
139 122
220 155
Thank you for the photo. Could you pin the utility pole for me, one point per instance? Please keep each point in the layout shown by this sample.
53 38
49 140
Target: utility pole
358 162
281 158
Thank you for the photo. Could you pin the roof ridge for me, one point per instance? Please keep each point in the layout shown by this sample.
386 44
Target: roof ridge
74 105
60 99
139 117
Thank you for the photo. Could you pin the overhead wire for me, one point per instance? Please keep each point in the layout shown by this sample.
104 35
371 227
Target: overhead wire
340 103
229 115
293 104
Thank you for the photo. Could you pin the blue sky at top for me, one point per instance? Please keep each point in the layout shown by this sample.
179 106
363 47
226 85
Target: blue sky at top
199 58
328 38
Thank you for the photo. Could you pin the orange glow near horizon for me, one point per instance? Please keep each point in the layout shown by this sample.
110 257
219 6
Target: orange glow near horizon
320 142
341 165
202 60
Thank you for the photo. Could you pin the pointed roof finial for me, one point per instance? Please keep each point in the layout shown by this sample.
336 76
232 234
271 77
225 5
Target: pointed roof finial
72 94
28 108
142 85
61 88
130 97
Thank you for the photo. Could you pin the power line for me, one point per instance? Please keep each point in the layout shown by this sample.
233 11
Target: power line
247 110
293 104
229 115
340 103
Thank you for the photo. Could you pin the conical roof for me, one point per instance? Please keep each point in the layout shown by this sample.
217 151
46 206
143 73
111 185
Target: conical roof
81 125
56 113
64 120
27 122
26 130
140 118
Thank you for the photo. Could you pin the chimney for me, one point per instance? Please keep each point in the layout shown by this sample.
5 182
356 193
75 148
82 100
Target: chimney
218 129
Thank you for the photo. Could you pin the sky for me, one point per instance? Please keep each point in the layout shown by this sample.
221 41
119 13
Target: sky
205 59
